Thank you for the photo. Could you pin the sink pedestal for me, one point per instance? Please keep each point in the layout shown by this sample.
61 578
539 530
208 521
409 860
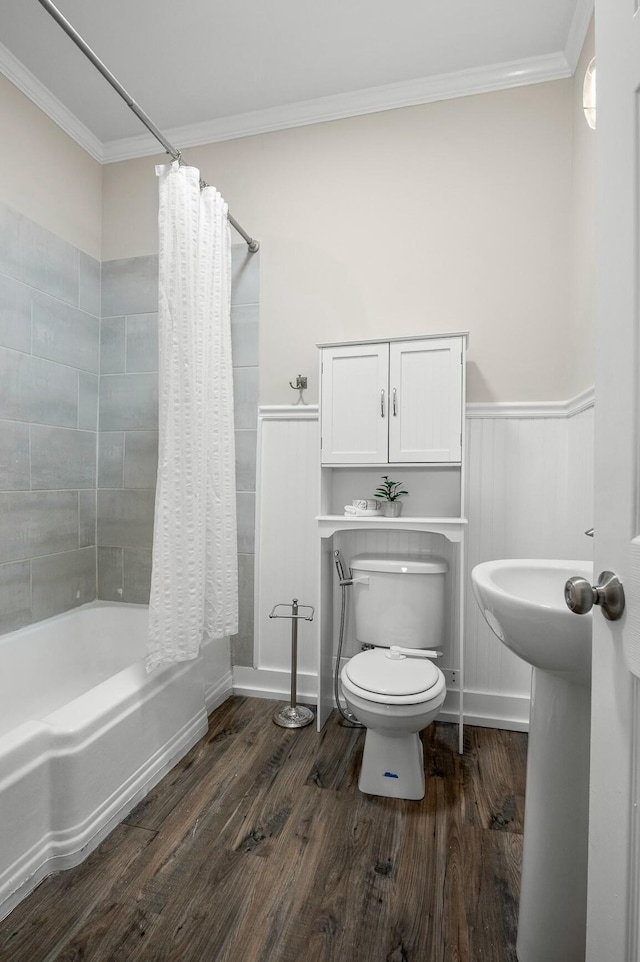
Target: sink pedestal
553 894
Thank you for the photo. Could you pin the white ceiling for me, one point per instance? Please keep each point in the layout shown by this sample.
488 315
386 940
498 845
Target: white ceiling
207 70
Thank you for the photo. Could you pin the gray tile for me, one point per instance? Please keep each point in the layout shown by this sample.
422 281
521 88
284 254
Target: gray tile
110 459
142 342
130 286
88 387
112 345
15 595
86 518
34 255
14 456
125 518
15 314
88 284
245 286
242 643
244 335
110 574
62 458
137 575
140 459
32 389
37 523
15 255
246 509
245 397
16 386
65 334
62 581
129 402
246 443
242 651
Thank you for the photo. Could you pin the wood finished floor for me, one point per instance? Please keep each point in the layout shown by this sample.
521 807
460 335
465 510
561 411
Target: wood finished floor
259 847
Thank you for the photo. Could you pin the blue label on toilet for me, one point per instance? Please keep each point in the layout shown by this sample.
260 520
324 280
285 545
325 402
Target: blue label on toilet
390 775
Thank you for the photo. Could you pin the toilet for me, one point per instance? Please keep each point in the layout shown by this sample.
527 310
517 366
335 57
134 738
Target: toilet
398 602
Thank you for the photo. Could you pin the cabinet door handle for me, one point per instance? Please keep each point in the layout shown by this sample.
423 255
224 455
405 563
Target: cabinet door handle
395 403
382 403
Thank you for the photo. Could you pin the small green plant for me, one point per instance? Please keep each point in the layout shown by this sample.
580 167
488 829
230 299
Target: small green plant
387 490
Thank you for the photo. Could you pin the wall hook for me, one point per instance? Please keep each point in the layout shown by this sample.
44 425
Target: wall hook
300 385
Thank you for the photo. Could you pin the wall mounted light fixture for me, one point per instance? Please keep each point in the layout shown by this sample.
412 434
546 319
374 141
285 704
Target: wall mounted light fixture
589 94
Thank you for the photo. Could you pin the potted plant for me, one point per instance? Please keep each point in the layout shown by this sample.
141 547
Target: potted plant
389 492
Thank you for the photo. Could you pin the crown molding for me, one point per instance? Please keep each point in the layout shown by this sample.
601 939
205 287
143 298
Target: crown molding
463 83
582 14
15 71
533 409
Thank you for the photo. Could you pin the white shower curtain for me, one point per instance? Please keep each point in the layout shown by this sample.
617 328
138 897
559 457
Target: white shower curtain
194 581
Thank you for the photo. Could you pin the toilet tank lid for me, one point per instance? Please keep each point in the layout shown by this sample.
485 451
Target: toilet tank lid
400 564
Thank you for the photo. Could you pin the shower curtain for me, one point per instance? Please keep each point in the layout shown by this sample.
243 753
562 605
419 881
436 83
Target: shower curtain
194 581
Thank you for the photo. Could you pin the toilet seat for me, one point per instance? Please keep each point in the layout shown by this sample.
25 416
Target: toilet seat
373 676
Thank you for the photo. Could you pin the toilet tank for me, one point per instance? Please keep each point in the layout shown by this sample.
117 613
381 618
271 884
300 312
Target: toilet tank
399 600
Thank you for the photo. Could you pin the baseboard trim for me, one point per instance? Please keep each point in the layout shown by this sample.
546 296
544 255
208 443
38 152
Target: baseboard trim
484 709
273 683
215 695
488 710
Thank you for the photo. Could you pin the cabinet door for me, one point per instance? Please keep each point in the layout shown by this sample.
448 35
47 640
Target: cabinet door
425 385
355 409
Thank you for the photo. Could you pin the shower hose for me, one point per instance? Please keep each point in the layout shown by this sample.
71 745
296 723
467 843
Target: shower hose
344 584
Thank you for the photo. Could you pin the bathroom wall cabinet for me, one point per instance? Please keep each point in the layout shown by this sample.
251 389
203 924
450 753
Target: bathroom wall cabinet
396 401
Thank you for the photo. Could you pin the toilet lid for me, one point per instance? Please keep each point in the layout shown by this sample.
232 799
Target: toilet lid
375 672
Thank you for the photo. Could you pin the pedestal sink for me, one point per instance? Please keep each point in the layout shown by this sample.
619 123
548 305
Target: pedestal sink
523 604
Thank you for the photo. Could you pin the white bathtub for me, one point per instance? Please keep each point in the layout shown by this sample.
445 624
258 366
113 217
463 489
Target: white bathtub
85 733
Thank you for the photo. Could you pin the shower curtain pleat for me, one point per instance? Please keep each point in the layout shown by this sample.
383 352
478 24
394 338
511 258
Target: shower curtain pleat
194 581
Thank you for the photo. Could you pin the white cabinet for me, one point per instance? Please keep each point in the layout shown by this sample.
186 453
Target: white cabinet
393 401
355 404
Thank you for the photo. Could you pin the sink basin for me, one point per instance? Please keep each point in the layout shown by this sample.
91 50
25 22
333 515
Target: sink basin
523 604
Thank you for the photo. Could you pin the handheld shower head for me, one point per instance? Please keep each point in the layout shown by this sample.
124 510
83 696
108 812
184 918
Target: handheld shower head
342 580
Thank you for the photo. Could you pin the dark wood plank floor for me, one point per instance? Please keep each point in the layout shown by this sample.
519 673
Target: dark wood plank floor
259 847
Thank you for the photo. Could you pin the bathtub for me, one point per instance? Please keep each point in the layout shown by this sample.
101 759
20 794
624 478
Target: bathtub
85 733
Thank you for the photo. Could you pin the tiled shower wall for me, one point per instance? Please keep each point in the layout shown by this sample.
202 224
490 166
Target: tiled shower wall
49 364
128 428
128 425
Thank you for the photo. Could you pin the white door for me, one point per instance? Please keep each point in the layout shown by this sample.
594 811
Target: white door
613 891
425 400
354 404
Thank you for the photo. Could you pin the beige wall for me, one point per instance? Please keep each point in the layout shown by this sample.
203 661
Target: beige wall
475 213
449 216
45 175
583 246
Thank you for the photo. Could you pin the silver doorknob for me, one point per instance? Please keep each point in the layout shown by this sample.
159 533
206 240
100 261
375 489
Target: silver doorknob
580 596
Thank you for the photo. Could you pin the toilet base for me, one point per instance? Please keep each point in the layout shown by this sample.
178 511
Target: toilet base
392 765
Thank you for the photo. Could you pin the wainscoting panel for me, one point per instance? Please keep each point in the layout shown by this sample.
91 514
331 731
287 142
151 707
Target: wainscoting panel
580 500
516 503
529 495
286 535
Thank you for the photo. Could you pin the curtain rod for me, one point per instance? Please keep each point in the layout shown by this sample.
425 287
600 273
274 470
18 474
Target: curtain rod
71 32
